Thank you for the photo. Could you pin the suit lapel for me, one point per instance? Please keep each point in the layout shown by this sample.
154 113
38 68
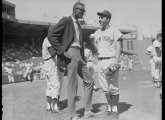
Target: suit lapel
72 24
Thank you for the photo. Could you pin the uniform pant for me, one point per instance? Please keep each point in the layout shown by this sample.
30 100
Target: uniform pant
109 84
54 78
158 67
11 78
152 68
77 66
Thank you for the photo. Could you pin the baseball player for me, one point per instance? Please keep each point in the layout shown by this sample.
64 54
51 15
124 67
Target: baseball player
107 39
53 76
9 71
157 58
149 51
28 75
130 64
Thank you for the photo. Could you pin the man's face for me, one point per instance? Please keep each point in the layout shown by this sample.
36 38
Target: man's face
160 39
103 21
79 11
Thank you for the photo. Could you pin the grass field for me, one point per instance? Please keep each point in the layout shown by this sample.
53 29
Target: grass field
139 100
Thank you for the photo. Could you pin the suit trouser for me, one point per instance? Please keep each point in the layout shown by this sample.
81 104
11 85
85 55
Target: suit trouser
77 66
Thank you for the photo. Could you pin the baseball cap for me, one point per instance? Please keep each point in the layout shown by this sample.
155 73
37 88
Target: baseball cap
105 13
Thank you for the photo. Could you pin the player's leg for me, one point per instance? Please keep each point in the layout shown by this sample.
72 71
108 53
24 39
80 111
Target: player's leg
12 79
55 87
48 94
102 64
157 75
90 67
9 78
114 90
61 77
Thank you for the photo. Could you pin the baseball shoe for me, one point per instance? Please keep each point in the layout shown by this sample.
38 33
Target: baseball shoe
114 109
49 110
56 111
95 88
88 114
157 85
108 111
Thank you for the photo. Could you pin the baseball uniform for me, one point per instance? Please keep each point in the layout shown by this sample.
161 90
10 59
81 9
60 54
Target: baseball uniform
105 42
53 76
157 60
9 72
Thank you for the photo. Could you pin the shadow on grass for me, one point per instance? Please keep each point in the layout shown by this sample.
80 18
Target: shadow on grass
123 106
64 104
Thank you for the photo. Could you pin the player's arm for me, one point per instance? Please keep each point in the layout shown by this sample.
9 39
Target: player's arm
93 44
55 33
118 49
147 52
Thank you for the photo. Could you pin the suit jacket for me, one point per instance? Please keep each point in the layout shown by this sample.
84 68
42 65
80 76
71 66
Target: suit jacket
61 37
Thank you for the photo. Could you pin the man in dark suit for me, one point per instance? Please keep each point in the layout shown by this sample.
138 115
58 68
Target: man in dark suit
66 40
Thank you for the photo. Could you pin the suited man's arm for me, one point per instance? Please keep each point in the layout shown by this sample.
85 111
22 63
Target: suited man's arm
55 34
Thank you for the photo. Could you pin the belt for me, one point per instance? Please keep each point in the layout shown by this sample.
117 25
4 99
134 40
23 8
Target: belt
47 59
103 58
76 47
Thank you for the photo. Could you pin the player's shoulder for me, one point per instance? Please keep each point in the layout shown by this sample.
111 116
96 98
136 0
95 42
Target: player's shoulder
97 31
156 43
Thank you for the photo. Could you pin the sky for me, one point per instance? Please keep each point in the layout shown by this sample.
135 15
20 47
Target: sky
146 15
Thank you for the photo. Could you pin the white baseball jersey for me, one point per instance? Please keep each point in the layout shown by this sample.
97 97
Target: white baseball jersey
105 41
9 71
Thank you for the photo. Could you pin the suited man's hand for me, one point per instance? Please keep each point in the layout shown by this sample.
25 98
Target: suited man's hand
67 55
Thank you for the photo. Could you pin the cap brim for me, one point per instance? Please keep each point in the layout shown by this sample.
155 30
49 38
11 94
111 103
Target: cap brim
100 14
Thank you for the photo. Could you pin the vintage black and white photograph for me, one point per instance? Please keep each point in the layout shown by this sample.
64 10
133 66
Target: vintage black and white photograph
81 60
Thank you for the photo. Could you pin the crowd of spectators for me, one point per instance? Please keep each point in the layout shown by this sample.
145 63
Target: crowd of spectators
13 52
125 61
19 57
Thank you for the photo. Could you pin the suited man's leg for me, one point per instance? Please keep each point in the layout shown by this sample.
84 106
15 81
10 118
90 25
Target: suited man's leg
88 85
72 86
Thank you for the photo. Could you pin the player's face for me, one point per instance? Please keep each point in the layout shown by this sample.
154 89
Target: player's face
79 11
103 21
160 39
